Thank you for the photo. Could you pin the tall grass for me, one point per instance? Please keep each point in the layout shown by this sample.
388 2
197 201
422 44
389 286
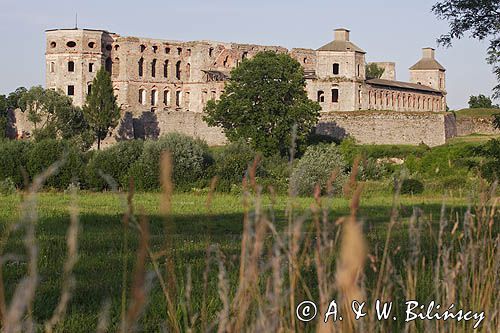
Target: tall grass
459 263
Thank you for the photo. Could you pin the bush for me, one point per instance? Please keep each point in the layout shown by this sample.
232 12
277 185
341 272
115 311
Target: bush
46 152
7 187
14 160
115 162
275 173
412 186
231 164
316 166
190 162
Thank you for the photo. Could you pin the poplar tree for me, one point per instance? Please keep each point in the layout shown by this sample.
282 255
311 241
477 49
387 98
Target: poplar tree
101 110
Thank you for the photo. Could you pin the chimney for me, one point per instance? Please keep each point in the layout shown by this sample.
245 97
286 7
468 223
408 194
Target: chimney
428 53
342 35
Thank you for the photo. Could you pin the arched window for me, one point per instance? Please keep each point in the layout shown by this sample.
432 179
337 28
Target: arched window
204 95
52 67
109 65
165 69
178 70
154 97
226 61
188 71
186 99
89 88
143 47
71 66
141 67
166 97
359 70
178 98
336 69
142 96
335 95
321 96
211 52
153 68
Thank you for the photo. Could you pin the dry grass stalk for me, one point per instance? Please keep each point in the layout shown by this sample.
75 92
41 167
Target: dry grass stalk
72 257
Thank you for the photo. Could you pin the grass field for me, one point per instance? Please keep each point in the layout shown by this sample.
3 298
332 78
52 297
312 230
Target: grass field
195 224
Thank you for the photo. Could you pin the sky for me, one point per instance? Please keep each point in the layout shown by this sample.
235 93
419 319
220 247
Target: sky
388 30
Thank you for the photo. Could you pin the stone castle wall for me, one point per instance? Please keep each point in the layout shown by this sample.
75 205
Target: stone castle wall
374 127
475 125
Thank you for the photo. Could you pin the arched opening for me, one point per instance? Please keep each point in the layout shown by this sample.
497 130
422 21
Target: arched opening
179 51
143 47
154 97
91 45
165 69
178 98
89 88
321 96
52 67
153 68
335 95
71 66
178 70
188 71
226 61
141 67
166 97
211 52
186 99
142 96
109 65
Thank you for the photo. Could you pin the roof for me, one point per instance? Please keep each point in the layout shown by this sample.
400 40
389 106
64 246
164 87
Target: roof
427 63
76 29
341 46
402 85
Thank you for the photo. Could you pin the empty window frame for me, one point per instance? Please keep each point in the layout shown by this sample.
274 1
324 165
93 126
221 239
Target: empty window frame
71 90
71 66
336 69
321 96
335 95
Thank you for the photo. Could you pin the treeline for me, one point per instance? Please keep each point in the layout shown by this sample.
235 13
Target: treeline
195 165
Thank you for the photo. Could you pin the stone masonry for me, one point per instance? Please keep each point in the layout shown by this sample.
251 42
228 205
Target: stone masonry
165 84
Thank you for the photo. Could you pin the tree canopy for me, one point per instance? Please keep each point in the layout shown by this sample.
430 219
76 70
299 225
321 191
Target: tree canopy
374 71
481 102
263 101
480 18
101 110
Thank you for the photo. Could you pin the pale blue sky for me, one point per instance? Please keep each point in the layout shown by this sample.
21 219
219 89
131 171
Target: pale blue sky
390 30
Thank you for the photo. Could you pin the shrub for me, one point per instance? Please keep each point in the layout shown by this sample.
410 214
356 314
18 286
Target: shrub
7 187
412 186
316 166
14 157
231 164
46 152
275 173
190 161
115 162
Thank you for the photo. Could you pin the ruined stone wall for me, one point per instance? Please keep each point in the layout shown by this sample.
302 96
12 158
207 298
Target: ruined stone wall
389 70
475 125
373 127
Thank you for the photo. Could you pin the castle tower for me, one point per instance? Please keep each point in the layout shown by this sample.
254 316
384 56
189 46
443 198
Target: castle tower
73 56
428 71
340 70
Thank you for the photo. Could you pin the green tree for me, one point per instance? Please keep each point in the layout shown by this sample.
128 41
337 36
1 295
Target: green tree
7 103
481 18
53 115
373 71
481 102
100 110
262 102
496 121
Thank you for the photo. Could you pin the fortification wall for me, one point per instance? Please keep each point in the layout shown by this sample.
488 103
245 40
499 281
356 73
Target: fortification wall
373 127
475 125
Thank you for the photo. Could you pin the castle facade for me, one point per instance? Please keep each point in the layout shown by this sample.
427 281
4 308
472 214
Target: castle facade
173 80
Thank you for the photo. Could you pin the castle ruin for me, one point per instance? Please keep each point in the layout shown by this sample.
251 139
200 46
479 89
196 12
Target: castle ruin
164 85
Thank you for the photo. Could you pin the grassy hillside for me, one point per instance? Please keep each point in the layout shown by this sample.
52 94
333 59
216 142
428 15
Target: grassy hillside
476 112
